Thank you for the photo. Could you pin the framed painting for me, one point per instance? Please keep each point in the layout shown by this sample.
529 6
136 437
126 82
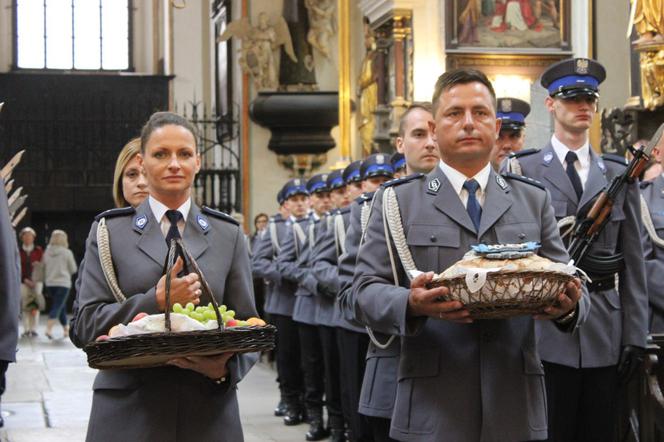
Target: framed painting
508 26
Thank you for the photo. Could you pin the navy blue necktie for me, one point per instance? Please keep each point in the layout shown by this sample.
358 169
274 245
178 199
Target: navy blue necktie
174 216
570 159
473 207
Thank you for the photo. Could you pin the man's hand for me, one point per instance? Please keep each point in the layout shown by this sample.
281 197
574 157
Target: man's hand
565 303
426 302
183 290
213 367
631 359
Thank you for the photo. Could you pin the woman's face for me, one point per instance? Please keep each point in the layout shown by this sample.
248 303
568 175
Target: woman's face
134 183
171 161
261 223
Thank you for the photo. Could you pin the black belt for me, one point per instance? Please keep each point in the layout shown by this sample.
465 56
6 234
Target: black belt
602 284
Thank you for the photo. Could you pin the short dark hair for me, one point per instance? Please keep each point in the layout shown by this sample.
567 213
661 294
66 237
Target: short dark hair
160 119
260 215
460 76
425 106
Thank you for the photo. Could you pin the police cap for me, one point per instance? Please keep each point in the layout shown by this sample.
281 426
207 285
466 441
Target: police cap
352 172
573 77
318 183
293 187
512 112
335 179
377 164
398 161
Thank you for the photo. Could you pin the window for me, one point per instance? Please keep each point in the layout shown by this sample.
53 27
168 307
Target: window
72 34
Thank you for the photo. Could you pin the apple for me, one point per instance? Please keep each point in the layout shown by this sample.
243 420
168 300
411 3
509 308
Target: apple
232 323
139 316
102 338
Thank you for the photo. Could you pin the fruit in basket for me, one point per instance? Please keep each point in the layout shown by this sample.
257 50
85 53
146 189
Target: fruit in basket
232 323
139 316
102 338
255 321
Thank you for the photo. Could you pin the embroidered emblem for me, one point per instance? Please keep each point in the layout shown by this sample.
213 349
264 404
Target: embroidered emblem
548 157
141 221
582 66
506 105
501 182
200 219
434 185
601 165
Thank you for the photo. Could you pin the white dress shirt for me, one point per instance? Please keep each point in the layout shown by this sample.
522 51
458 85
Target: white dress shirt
457 179
582 166
159 212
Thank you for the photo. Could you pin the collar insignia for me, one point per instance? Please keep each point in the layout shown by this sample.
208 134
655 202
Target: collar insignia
202 222
548 157
434 185
601 165
141 221
501 182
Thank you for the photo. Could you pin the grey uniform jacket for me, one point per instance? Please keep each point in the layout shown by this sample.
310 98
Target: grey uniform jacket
10 284
280 297
617 317
460 382
325 268
653 194
292 263
164 404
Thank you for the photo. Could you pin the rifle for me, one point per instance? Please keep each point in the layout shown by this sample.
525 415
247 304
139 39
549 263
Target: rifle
588 229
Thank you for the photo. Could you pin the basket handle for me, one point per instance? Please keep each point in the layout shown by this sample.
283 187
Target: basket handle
176 249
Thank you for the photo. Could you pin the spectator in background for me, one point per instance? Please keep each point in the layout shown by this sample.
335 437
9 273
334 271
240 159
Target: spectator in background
260 226
59 266
32 300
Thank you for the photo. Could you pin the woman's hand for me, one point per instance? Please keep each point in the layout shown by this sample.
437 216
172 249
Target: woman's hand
213 367
183 290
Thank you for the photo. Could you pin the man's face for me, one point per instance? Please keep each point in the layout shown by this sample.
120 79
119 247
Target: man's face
372 184
170 161
339 197
298 205
321 203
574 115
466 126
508 141
28 239
417 143
354 190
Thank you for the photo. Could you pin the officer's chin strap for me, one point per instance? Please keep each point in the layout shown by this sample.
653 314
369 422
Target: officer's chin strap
106 261
650 227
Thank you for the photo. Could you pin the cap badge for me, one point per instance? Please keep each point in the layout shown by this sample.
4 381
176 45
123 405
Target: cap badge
501 182
548 157
506 105
380 159
324 177
434 185
582 65
202 222
141 221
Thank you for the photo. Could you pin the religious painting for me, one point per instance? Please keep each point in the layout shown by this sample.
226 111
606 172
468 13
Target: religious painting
532 26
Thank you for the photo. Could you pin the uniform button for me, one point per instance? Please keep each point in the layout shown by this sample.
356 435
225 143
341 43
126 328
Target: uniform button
433 238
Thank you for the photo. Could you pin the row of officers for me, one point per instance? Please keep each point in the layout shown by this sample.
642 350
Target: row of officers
361 337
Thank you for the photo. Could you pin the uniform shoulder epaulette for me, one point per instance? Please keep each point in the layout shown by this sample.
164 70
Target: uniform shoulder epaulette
523 179
343 210
220 215
367 196
402 180
112 213
614 158
523 153
644 184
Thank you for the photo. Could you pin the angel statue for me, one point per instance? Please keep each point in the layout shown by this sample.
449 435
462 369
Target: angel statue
321 24
647 16
258 46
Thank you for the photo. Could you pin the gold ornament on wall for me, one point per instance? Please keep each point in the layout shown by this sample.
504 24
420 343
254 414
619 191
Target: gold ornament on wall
367 92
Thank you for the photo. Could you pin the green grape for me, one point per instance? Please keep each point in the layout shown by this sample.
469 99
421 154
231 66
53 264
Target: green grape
197 316
190 306
177 308
210 315
200 309
222 308
210 305
231 313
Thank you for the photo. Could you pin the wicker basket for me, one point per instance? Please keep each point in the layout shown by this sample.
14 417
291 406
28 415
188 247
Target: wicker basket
155 349
507 294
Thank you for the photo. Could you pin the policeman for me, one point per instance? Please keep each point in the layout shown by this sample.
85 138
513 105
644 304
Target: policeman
352 337
379 385
512 113
398 162
653 220
10 291
583 369
193 397
279 304
459 379
353 179
293 262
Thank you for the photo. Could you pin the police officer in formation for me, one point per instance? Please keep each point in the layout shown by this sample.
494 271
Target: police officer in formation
583 370
512 113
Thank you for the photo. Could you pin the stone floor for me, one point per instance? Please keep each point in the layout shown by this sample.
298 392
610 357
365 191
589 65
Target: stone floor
49 394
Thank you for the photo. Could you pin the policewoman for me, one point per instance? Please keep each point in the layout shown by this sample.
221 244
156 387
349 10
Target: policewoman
193 398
